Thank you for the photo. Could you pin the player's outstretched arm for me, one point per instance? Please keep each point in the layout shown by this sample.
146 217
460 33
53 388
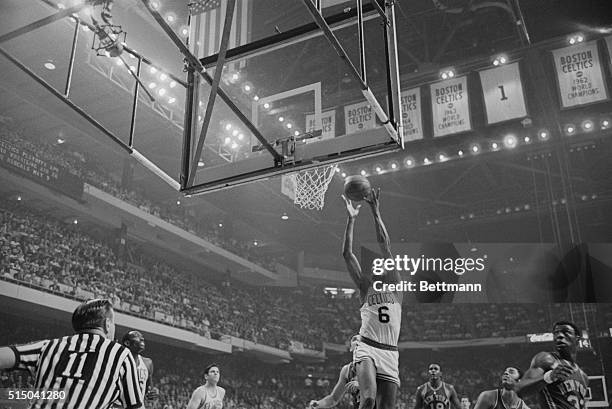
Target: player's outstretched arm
7 358
334 397
196 399
543 370
486 400
152 392
454 398
419 399
350 259
382 236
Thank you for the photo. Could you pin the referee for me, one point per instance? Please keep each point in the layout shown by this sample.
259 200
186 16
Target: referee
87 370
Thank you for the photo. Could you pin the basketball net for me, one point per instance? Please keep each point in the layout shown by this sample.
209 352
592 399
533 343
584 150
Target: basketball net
310 186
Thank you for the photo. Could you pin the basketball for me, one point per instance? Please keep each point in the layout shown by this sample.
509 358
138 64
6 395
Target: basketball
357 188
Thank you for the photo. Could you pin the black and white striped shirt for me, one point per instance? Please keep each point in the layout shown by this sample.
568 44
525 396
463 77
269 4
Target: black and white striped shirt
92 370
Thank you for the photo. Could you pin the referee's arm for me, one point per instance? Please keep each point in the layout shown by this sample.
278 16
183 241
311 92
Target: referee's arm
131 395
22 356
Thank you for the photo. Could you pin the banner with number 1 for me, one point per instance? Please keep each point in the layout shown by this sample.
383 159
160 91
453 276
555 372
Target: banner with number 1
503 93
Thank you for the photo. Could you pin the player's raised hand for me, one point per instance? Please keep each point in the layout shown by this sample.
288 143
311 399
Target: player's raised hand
373 198
352 211
313 404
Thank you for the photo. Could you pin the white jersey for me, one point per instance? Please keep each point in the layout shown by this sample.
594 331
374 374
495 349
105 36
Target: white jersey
381 317
212 399
143 374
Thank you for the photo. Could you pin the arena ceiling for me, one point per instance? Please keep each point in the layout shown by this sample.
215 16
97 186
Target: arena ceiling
432 203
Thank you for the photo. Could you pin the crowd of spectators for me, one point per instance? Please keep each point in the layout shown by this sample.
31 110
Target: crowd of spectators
91 171
55 256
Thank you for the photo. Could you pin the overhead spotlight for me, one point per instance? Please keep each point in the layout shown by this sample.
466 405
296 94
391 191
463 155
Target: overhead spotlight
154 4
563 201
61 6
152 70
19 198
527 207
587 125
337 170
255 98
500 60
284 216
296 133
575 39
234 145
234 77
240 136
569 129
246 87
60 141
49 65
527 139
235 132
517 209
471 215
289 126
343 174
184 30
584 197
118 61
498 211
508 210
460 152
255 243
409 162
200 164
227 140
152 85
281 119
171 100
442 157
132 68
161 92
543 134
605 124
363 172
593 196
228 127
85 28
494 146
163 76
220 225
426 161
447 73
393 165
172 84
475 148
378 169
266 105
510 141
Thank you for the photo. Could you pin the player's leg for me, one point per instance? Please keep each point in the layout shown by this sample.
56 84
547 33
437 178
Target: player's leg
386 395
366 376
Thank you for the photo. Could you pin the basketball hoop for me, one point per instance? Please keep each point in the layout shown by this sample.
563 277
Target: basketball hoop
311 185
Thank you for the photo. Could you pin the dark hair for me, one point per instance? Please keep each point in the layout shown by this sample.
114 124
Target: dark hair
435 363
520 373
571 324
209 367
129 335
91 314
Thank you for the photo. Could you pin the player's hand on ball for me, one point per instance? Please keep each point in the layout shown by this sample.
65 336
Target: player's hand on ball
352 387
373 197
352 211
313 404
562 371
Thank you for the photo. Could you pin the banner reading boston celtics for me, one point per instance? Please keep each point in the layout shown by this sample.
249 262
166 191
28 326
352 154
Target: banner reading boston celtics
579 75
411 114
450 106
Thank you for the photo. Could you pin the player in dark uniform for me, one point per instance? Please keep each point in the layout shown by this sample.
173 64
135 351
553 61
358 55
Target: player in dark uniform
135 342
504 397
436 394
347 383
555 376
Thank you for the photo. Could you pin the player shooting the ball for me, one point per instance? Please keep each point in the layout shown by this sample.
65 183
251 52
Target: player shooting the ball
376 357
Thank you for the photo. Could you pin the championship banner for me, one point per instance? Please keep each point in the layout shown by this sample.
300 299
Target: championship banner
328 119
609 44
37 167
411 114
358 117
503 93
579 75
450 107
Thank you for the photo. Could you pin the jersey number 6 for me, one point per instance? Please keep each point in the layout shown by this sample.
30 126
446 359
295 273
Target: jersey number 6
382 316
